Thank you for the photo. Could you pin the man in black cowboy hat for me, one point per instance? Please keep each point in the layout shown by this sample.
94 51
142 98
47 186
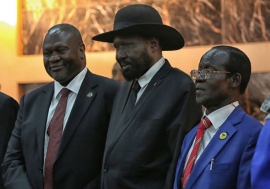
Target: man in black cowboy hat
145 135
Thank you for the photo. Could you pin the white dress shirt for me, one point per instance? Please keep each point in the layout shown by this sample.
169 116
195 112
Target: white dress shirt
74 87
146 78
217 118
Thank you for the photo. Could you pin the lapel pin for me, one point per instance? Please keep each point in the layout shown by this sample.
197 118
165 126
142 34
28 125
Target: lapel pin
90 94
223 135
155 84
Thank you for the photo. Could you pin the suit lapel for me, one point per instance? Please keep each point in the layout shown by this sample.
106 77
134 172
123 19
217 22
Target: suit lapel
124 122
125 95
44 101
152 85
121 106
216 145
184 153
85 97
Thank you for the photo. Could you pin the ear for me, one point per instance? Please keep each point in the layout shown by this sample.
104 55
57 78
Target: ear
235 80
82 51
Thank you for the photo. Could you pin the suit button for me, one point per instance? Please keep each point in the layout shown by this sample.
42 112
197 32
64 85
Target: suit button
41 170
105 168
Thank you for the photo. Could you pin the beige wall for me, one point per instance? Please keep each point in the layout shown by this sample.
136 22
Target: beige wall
15 69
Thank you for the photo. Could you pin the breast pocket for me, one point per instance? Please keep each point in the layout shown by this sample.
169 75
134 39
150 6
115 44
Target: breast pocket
219 175
218 167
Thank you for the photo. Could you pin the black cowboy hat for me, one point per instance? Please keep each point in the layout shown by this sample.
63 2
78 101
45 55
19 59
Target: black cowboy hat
139 19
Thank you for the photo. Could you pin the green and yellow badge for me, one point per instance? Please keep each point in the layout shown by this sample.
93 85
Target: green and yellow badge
90 94
223 135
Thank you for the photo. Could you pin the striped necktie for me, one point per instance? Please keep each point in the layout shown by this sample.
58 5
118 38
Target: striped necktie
204 124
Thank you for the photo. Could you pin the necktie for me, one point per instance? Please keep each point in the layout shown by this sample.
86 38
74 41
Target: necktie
55 133
204 124
133 96
136 87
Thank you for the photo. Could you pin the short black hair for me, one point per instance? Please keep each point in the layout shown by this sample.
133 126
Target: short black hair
67 28
237 62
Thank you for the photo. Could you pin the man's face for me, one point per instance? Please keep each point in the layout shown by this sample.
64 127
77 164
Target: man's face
213 93
132 53
63 56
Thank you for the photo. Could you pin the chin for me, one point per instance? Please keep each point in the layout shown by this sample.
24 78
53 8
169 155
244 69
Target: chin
62 80
200 101
129 76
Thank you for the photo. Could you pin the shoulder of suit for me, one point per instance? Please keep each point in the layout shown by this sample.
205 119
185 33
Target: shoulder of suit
250 123
179 72
45 87
4 96
243 122
177 77
105 80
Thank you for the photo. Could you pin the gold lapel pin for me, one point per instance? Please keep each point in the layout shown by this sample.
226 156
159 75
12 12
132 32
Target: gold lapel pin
223 135
155 84
90 94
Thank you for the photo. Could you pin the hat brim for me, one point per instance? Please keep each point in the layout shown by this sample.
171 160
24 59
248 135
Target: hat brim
170 38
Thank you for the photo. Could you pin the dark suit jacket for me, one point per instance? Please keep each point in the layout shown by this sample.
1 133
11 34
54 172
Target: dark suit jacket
8 113
232 155
143 145
78 163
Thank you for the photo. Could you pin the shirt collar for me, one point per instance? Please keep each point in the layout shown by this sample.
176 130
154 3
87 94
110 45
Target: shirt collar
219 116
74 85
146 78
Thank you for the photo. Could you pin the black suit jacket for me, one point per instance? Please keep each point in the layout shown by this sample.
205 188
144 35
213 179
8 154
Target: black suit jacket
143 146
8 112
78 163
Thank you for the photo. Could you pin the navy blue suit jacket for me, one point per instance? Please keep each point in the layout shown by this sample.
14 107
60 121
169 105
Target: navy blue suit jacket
232 155
79 158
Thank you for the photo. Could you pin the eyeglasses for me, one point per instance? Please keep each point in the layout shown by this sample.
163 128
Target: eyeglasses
204 74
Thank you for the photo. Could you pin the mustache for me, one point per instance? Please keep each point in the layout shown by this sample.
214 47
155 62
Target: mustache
124 63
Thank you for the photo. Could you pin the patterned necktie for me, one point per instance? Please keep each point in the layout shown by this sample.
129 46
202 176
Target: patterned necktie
55 130
136 87
204 124
132 96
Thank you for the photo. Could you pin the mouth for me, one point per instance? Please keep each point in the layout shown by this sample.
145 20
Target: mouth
56 68
125 66
198 88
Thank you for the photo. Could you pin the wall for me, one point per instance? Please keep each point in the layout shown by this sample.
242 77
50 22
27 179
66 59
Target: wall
15 69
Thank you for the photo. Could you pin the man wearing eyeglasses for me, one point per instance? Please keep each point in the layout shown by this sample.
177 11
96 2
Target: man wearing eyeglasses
217 153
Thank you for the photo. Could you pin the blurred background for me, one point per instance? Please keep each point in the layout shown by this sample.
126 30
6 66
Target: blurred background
203 23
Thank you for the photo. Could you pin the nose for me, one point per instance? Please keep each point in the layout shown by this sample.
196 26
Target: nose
54 58
200 78
120 54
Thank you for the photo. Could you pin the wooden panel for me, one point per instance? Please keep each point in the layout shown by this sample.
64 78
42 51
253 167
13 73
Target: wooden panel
206 22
